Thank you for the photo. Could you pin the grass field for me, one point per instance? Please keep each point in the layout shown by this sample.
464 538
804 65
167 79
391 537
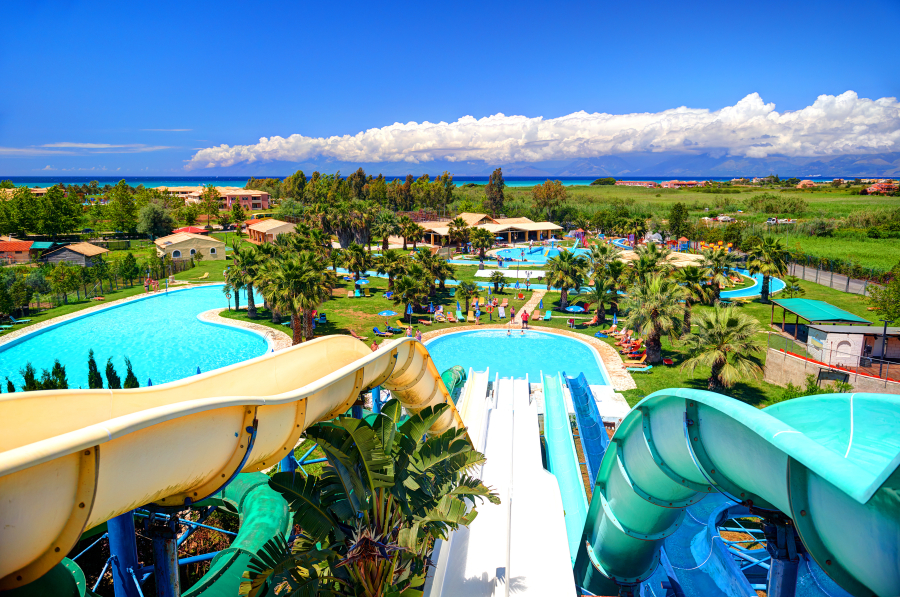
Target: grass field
878 253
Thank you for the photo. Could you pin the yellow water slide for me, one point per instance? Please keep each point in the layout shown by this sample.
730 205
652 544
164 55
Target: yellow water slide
72 459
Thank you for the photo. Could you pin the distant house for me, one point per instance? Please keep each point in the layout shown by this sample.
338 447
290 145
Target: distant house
14 251
636 183
806 184
191 230
881 188
248 198
184 245
84 254
682 184
266 231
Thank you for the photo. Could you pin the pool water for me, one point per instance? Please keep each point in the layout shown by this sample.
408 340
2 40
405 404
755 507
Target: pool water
535 254
517 355
160 334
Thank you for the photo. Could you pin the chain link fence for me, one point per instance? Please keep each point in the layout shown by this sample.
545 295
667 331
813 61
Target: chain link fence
831 279
815 358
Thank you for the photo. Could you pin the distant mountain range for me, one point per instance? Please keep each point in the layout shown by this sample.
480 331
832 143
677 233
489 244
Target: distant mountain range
682 165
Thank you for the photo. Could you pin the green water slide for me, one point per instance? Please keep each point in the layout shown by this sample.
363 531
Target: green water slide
454 378
829 462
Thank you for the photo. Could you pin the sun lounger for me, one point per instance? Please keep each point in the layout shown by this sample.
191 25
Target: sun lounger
505 303
349 294
14 320
548 315
357 336
471 317
6 327
392 329
595 320
322 318
439 317
204 276
637 362
382 334
366 292
451 318
521 296
357 293
535 315
459 316
639 369
600 335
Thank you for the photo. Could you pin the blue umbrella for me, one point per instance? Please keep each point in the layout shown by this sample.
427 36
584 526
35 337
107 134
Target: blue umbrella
431 307
575 309
517 284
409 308
478 313
457 305
149 382
387 313
198 369
615 319
499 238
362 281
541 305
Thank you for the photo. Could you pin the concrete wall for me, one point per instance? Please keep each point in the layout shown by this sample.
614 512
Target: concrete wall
782 369
200 245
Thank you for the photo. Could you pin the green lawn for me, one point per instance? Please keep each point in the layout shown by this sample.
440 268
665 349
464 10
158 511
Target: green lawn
878 253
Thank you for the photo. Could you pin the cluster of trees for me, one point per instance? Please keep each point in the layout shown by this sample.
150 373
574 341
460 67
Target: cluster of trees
56 379
659 298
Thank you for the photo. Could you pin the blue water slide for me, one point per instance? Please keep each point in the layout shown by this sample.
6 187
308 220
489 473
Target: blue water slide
594 439
562 460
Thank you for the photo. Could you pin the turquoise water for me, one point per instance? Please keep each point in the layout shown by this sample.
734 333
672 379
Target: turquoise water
160 334
536 254
517 355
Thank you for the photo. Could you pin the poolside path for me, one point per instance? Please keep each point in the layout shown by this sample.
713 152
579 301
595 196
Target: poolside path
620 378
279 339
536 297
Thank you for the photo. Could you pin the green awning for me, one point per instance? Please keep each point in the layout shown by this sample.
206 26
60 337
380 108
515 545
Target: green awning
41 245
818 311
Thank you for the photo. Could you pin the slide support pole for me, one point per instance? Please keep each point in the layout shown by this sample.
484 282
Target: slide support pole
784 547
163 531
123 548
376 399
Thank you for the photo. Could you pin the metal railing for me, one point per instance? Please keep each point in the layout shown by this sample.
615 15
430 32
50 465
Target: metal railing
830 278
817 357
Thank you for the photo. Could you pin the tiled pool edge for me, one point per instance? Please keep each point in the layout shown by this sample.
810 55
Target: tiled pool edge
612 362
278 341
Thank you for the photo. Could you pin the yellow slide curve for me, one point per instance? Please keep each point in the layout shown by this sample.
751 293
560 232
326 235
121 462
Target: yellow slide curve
72 459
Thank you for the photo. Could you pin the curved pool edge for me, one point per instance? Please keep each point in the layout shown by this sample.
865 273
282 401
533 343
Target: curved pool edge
608 360
278 341
32 330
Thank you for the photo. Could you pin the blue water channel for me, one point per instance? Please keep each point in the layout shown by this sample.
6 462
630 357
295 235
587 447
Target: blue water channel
160 334
517 355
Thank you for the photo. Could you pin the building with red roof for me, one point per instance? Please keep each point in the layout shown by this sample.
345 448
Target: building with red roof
191 230
14 251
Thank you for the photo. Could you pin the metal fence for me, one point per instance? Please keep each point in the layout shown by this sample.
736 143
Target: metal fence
830 278
817 357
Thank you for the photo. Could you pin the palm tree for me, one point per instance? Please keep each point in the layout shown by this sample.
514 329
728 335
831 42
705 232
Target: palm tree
725 342
357 259
235 279
245 259
719 263
602 255
408 289
391 263
654 310
768 258
600 292
482 240
693 280
616 272
443 272
404 223
459 231
466 291
414 233
299 285
385 225
429 263
498 280
566 271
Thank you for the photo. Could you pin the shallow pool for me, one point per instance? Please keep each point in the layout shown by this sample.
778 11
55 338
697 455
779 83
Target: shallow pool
160 334
517 355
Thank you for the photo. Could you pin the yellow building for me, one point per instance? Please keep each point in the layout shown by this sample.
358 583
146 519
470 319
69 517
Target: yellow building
184 245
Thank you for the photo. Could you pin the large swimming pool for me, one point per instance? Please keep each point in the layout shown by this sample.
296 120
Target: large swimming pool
160 334
517 355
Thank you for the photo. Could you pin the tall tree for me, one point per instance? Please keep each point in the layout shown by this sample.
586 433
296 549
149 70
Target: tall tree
655 310
155 221
238 216
719 264
567 271
696 290
548 196
113 381
465 291
494 191
385 226
482 240
59 212
459 231
392 264
358 260
95 380
209 203
768 258
726 342
130 378
679 223
246 260
294 185
121 209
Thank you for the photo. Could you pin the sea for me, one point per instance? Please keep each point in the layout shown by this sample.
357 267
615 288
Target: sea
240 181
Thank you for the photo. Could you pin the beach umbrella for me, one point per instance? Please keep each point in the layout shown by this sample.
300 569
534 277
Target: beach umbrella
198 369
575 309
387 313
457 305
409 311
499 238
517 285
541 305
431 307
149 382
362 282
615 319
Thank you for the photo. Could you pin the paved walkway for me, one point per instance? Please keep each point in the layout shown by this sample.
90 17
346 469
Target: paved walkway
277 339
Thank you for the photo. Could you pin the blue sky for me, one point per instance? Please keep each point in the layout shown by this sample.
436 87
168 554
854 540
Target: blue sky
141 88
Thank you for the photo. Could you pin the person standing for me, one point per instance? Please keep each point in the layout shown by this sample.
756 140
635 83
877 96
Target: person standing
418 334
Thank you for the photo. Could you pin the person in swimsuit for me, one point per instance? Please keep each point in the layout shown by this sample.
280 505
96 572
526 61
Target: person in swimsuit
418 334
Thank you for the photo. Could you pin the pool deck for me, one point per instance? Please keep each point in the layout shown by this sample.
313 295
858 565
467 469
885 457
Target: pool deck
277 339
621 379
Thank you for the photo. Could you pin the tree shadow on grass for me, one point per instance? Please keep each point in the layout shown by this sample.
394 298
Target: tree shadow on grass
754 396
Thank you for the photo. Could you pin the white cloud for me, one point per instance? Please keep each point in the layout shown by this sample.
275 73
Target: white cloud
831 125
48 167
70 148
